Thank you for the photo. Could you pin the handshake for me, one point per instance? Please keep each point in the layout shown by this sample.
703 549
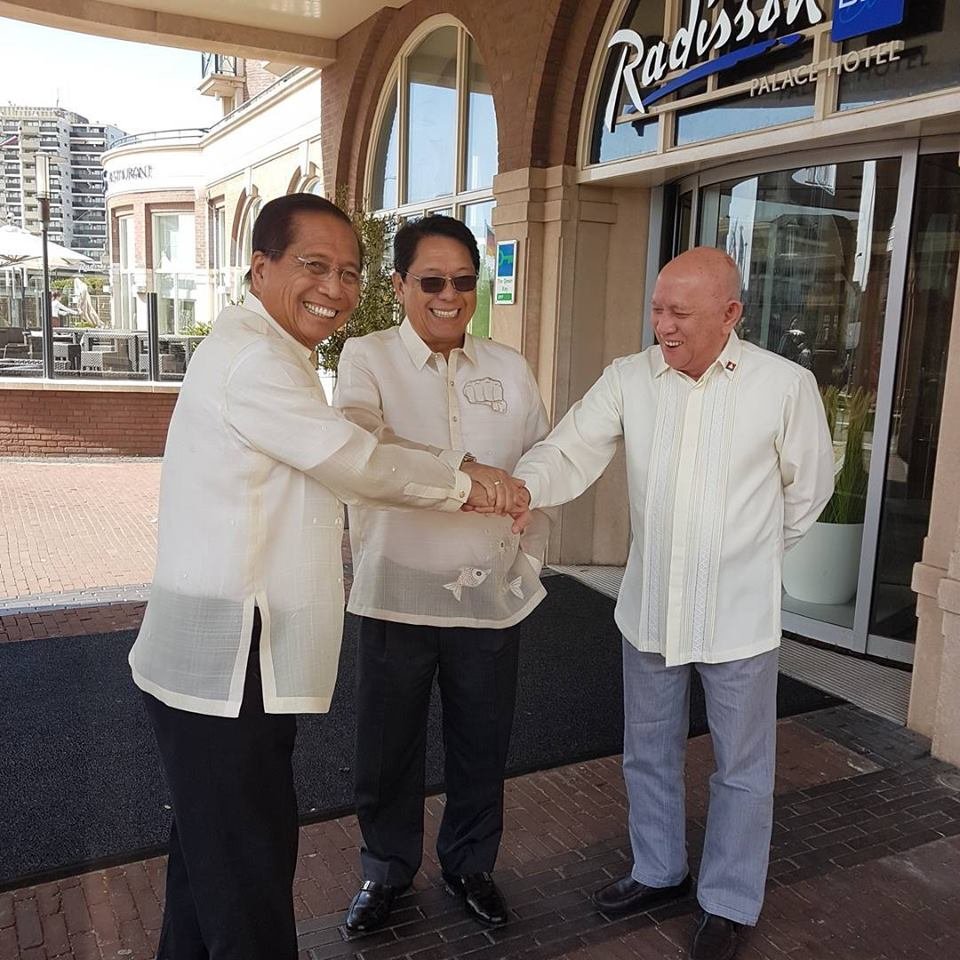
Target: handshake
495 491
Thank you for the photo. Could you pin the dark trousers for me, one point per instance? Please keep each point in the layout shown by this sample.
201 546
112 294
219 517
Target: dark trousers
233 844
477 675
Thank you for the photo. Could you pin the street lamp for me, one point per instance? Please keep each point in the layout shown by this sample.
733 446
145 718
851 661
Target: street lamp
43 199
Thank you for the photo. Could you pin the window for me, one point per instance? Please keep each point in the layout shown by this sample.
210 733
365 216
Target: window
244 250
218 248
436 144
126 318
174 266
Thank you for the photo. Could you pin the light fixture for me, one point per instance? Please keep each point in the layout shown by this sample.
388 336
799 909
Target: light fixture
43 176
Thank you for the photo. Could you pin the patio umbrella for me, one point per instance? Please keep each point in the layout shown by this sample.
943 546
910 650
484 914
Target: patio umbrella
18 248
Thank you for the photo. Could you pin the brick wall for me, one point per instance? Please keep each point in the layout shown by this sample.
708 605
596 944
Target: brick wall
59 423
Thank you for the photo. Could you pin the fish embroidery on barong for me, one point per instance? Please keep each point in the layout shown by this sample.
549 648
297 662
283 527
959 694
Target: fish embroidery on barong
469 577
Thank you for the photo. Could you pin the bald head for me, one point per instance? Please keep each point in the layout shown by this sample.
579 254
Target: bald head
711 267
696 303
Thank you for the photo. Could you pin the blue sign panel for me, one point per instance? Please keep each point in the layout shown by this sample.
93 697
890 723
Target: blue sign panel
854 18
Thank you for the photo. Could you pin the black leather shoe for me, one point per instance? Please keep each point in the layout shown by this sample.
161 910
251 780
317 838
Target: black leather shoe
480 896
626 895
716 938
370 908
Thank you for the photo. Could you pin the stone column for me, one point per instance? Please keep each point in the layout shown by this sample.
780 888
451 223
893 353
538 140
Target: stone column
935 692
579 304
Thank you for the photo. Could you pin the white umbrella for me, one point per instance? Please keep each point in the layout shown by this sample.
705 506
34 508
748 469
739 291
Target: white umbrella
18 248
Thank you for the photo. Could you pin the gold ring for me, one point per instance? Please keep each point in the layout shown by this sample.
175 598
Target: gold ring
497 483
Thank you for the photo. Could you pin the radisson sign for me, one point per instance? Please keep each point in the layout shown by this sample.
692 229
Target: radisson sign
641 69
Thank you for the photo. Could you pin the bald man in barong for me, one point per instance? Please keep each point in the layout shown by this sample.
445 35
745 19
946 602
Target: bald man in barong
729 462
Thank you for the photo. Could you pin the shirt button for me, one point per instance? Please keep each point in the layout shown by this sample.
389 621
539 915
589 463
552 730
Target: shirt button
452 384
461 493
454 419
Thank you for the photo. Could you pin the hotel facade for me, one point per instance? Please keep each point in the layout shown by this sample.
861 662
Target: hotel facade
816 141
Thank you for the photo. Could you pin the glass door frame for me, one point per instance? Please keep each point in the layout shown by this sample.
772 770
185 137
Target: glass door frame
857 638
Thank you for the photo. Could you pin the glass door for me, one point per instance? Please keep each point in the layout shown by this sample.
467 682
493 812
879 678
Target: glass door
849 269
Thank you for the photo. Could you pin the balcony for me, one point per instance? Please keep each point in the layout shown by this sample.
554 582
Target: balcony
222 75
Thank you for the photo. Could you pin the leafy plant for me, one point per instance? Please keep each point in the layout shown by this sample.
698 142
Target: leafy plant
377 308
197 330
849 500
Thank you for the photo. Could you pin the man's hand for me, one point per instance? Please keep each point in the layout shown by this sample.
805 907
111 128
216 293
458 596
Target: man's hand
493 490
523 514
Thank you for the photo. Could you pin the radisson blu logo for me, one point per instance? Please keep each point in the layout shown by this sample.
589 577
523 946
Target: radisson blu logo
641 69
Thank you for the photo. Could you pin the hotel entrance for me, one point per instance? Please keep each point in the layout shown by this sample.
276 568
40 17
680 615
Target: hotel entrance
850 269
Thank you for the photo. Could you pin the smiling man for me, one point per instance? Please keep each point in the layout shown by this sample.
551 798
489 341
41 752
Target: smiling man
729 462
243 626
439 595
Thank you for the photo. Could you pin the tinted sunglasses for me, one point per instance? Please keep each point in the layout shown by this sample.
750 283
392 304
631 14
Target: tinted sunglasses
462 284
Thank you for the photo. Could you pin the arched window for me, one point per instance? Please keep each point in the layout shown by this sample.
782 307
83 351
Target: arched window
245 247
435 150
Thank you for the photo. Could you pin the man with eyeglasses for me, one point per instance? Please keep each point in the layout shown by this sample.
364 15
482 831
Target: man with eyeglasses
243 627
437 596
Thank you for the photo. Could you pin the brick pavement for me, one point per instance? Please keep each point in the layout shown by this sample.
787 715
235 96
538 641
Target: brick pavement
865 860
73 524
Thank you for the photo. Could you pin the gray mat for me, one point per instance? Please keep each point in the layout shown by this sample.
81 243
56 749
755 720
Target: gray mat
80 780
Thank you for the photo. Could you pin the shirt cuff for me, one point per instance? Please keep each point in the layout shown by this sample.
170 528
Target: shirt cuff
453 458
461 490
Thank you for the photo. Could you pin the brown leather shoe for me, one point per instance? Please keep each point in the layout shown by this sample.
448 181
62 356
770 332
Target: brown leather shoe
626 895
480 896
717 938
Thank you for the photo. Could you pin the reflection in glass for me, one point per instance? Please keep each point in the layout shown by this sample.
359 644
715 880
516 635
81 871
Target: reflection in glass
918 393
385 160
813 246
481 125
432 123
928 62
744 113
479 218
640 136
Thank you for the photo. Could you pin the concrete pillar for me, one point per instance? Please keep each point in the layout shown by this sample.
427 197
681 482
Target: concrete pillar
935 692
580 294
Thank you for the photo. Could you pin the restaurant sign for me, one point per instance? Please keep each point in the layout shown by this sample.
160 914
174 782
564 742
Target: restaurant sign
642 69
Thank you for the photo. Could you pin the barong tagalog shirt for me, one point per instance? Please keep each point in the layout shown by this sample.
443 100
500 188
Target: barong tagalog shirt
724 473
455 570
256 467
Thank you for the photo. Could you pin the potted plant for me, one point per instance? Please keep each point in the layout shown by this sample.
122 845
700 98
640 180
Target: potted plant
377 307
825 565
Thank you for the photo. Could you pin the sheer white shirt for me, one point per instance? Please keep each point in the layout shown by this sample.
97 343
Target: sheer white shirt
464 569
256 468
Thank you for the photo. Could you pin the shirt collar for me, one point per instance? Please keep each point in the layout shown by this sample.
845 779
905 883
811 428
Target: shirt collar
420 353
252 303
728 361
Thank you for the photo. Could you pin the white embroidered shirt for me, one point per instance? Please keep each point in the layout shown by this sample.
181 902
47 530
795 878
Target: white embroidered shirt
464 569
255 469
723 474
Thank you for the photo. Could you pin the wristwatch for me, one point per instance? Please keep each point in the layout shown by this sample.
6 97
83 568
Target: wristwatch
468 458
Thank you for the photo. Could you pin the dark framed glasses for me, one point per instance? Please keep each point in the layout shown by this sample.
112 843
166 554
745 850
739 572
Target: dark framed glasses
462 284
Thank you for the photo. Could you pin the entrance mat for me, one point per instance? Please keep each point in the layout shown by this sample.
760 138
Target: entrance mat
80 779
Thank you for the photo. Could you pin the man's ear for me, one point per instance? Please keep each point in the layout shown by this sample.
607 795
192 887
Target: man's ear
732 314
397 282
257 262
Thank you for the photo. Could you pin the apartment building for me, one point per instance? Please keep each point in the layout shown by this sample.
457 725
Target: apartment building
77 206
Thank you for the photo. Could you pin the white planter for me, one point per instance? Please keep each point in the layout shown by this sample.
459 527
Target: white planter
824 566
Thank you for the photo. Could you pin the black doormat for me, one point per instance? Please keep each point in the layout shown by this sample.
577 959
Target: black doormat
80 779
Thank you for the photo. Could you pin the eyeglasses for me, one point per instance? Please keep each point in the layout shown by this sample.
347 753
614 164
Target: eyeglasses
462 284
324 271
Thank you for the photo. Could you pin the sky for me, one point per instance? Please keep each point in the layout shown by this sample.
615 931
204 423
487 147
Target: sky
134 86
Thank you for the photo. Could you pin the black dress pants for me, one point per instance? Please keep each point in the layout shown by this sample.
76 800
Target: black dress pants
233 843
477 675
